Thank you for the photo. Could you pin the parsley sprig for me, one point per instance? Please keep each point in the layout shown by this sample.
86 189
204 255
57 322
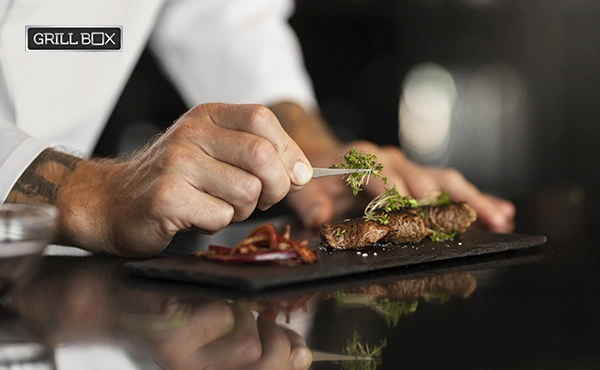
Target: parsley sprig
390 310
355 159
442 199
440 236
358 349
386 202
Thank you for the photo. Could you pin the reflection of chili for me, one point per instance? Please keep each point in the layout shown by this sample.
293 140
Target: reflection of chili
270 309
263 244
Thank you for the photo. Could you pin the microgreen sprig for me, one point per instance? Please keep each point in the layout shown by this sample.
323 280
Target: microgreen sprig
440 236
386 202
357 349
355 159
442 199
339 232
392 311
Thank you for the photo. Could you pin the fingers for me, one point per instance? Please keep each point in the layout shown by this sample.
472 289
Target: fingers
494 213
204 325
237 187
260 121
281 349
508 209
183 207
237 349
300 357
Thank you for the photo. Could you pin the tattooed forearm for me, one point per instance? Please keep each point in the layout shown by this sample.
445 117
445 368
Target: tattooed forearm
41 181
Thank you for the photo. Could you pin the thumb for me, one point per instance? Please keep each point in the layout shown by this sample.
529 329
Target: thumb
312 204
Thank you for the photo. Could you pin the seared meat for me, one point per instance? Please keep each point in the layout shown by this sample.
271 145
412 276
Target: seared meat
457 284
454 216
405 227
405 289
355 233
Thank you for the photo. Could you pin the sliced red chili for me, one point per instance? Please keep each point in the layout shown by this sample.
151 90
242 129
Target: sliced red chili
266 256
262 245
219 248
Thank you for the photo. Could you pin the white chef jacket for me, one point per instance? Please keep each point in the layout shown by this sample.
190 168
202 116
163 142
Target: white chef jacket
236 51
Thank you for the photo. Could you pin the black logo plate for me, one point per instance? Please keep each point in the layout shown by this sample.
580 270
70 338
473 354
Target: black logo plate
39 38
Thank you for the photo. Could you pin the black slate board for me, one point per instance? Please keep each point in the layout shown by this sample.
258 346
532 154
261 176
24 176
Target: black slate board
333 264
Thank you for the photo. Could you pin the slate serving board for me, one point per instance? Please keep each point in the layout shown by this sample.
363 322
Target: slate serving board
331 264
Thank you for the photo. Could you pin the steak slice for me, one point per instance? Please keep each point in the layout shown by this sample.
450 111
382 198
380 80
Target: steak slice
456 284
405 227
354 233
456 216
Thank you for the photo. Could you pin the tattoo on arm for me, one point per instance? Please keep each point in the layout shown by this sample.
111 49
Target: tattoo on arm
41 181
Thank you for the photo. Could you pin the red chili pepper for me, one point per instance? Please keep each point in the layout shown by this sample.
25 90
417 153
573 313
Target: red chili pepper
262 245
267 256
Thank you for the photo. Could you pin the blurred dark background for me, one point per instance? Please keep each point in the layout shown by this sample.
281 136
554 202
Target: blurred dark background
503 90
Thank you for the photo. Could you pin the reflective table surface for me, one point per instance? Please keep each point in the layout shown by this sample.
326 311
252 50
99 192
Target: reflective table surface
529 309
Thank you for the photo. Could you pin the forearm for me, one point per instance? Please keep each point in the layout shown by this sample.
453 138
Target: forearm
73 185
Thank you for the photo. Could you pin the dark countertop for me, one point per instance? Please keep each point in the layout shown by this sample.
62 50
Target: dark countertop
527 309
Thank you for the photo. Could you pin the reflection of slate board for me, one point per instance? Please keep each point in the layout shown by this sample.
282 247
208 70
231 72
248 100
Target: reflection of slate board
331 264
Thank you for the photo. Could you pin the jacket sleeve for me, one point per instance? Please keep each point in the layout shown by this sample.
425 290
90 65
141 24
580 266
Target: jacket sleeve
17 151
236 51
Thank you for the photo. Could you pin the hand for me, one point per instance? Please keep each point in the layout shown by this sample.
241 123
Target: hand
324 199
215 165
218 336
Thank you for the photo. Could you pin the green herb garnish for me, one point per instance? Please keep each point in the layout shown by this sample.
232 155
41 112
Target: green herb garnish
357 349
436 297
386 202
441 199
339 232
356 159
392 311
440 236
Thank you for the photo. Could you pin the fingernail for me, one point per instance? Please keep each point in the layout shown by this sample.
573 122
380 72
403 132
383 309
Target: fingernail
302 173
302 358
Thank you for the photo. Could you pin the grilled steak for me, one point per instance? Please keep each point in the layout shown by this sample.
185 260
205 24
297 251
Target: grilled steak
454 216
355 233
404 226
457 284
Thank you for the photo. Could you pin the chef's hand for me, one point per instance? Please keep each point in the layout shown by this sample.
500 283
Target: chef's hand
218 336
215 165
329 198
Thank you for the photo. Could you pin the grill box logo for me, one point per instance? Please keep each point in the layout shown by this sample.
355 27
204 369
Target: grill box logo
38 38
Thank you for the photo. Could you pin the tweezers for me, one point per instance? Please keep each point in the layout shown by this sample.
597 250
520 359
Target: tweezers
323 356
321 172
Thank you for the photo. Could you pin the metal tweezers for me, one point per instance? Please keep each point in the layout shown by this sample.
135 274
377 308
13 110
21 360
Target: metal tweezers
321 172
323 356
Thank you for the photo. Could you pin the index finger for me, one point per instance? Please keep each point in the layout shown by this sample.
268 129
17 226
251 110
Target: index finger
261 121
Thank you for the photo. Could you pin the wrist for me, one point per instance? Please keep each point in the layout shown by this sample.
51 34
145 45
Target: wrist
84 204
